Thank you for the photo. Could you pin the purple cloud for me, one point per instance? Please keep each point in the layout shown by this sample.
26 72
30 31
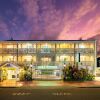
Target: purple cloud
4 32
50 19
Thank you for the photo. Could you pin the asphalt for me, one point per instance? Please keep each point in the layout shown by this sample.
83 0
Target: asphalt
50 94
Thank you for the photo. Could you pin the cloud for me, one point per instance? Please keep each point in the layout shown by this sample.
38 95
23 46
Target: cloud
4 31
92 27
42 17
30 8
86 7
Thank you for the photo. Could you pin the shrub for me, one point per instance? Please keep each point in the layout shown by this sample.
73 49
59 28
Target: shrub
28 76
73 73
90 77
21 76
80 75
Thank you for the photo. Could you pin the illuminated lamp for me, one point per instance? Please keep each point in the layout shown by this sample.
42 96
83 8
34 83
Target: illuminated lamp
82 46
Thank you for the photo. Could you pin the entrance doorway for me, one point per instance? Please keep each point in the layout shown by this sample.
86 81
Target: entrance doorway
47 69
45 61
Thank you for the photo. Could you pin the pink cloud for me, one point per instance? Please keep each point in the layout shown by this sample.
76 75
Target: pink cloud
86 7
67 32
43 19
92 27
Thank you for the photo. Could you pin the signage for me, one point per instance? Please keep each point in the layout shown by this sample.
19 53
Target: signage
46 67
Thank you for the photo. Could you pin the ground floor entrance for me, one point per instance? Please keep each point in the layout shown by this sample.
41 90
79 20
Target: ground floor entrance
47 69
49 74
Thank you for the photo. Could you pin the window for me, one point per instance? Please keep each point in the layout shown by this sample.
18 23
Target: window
13 76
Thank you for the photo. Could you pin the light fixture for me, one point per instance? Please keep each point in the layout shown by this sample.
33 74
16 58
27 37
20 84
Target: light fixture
82 46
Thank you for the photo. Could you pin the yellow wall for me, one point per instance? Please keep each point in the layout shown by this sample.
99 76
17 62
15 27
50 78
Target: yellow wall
0 58
9 46
0 45
26 45
44 45
87 58
64 57
65 45
27 58
9 58
86 45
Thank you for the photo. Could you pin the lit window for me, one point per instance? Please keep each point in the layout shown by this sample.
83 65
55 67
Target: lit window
82 46
9 46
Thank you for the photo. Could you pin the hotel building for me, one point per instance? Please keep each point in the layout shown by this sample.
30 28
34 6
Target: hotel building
48 57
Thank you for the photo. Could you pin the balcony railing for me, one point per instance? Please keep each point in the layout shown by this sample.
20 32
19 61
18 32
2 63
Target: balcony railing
87 63
46 63
57 50
26 50
65 50
8 50
84 50
54 63
46 50
20 51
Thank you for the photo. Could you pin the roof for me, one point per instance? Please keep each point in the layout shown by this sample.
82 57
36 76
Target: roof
48 40
9 65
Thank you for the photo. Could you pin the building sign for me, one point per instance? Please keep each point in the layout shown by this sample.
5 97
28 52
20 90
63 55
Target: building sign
46 67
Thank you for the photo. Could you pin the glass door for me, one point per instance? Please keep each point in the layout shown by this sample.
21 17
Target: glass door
47 69
45 61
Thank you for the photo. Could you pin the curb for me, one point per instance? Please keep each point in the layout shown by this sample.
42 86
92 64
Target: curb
52 87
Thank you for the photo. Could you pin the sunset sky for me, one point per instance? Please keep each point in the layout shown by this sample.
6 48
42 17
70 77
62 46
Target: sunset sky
49 19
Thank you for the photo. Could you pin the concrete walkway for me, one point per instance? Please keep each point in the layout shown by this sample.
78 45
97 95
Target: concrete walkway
58 84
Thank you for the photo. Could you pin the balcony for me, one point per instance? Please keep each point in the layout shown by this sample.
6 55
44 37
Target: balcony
27 50
20 51
45 63
54 63
87 63
84 50
8 50
46 50
65 50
